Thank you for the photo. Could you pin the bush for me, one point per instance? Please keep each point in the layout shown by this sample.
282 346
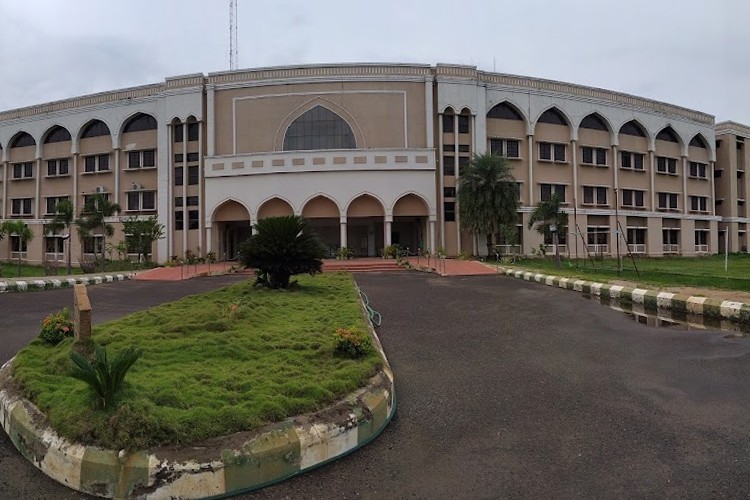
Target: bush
56 327
390 252
344 253
353 342
105 377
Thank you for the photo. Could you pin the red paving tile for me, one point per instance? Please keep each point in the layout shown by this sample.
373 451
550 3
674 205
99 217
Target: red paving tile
453 267
179 273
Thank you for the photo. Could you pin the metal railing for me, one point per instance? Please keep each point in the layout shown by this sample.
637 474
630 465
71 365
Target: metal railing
598 248
670 248
637 248
701 248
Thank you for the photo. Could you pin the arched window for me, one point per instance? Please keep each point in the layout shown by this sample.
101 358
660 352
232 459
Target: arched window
552 116
504 111
667 134
594 122
319 128
57 134
139 123
22 140
95 128
633 128
698 142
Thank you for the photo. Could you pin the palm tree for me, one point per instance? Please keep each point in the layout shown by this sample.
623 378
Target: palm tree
63 219
550 220
487 196
280 248
24 233
96 211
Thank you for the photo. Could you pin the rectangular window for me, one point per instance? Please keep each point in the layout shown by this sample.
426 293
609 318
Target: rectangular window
698 170
103 163
559 152
698 203
179 220
17 245
23 170
193 175
149 158
178 133
192 157
597 235
701 240
89 164
631 161
666 165
88 198
53 244
448 123
601 156
632 198
142 159
545 151
178 176
547 190
148 200
464 148
449 165
134 159
638 161
21 206
509 148
463 161
192 201
449 211
178 201
51 203
134 201
93 244
449 192
178 157
551 151
449 148
594 195
141 201
193 219
463 124
97 163
193 129
667 201
587 155
57 167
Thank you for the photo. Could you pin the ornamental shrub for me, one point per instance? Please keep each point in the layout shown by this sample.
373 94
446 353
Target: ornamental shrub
56 327
104 375
353 342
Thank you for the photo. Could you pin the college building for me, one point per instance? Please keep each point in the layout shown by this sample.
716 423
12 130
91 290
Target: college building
372 155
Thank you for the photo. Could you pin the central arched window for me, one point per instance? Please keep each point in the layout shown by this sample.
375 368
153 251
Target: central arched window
319 128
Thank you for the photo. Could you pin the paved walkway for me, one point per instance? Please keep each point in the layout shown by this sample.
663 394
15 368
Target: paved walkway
454 267
178 273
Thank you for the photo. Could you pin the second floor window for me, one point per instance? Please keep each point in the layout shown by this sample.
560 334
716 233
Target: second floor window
95 163
551 151
666 165
509 148
547 190
632 198
142 159
594 195
51 204
699 203
698 170
141 201
23 170
631 161
667 201
21 206
58 167
593 156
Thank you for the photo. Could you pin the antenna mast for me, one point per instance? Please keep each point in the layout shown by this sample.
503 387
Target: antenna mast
232 35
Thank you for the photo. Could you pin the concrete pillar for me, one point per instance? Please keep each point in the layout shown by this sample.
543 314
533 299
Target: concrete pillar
342 237
684 185
387 230
530 139
209 240
432 236
117 175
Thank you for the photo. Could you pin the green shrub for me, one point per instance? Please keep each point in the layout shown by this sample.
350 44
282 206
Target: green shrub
56 327
344 253
390 252
105 377
353 342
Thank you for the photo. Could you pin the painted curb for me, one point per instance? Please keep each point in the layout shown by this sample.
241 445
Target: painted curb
272 454
652 299
53 283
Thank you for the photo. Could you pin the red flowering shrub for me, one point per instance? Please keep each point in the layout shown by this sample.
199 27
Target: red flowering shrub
353 342
56 327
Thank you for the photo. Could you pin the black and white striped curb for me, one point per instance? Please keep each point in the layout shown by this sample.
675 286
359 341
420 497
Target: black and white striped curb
651 299
52 283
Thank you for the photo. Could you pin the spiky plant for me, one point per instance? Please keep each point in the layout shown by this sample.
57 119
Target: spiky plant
280 248
103 375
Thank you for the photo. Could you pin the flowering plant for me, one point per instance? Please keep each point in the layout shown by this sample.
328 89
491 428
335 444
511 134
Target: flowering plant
56 327
352 342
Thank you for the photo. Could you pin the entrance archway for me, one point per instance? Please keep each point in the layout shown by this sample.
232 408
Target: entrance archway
323 216
275 207
232 222
365 217
409 227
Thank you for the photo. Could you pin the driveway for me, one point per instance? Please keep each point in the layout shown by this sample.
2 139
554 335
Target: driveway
508 389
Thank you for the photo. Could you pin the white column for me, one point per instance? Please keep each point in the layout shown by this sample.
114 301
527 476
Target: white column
170 196
684 183
38 211
441 183
185 177
4 208
209 241
574 158
713 187
387 225
201 188
117 175
429 114
651 160
74 197
432 236
530 139
211 121
615 166
457 211
342 224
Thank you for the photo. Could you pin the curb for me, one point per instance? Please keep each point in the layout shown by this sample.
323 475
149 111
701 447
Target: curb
253 460
52 283
653 299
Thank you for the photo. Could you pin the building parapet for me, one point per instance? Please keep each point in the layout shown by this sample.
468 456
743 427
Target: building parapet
730 127
322 71
320 161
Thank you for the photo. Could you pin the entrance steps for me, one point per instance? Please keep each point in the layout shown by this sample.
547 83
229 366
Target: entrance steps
375 265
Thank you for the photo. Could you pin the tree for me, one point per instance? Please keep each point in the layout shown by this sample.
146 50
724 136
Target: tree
141 234
487 196
24 234
64 218
280 248
550 220
95 213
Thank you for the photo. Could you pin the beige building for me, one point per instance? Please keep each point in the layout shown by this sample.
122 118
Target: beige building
372 155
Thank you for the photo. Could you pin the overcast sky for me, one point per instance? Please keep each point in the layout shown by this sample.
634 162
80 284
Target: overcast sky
694 53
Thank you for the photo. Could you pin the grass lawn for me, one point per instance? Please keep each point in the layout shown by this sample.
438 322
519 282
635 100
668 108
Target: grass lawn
655 271
213 364
9 269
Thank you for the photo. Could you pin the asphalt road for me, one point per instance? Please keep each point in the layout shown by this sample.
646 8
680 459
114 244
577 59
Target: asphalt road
508 389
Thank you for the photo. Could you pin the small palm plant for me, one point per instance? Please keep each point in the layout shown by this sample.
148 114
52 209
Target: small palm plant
105 377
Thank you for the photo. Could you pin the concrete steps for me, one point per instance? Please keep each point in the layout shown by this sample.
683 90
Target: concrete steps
361 266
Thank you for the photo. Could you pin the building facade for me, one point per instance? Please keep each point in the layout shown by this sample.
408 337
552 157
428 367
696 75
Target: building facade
372 154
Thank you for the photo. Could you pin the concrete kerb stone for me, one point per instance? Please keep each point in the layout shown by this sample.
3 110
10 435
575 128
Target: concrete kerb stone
272 454
709 308
53 283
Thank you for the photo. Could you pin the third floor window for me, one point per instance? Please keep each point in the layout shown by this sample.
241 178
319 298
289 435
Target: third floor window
509 148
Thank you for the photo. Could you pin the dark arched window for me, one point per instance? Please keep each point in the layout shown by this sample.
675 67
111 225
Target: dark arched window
698 142
594 122
22 140
633 128
552 116
667 134
57 134
139 123
319 128
504 111
95 129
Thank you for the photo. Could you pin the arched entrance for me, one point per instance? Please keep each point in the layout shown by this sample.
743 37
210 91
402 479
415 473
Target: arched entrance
324 217
232 222
365 217
275 207
409 227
